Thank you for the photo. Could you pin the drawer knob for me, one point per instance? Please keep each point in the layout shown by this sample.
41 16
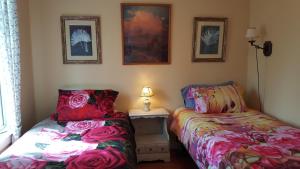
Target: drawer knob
150 149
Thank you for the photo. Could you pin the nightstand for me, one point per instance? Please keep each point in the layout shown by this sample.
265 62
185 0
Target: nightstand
151 134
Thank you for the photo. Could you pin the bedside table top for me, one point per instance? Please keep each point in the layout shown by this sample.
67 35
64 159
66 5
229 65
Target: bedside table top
153 113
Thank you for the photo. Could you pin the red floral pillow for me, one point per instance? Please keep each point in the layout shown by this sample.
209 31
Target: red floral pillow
76 105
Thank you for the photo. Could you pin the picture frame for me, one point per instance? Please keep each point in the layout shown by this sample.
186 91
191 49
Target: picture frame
146 33
81 42
209 41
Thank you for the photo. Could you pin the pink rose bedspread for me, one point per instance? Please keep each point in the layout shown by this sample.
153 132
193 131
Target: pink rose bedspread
107 143
251 140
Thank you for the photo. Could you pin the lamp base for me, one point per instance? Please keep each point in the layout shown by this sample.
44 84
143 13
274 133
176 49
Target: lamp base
147 106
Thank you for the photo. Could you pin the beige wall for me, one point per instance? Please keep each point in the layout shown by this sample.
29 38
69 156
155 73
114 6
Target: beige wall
27 97
280 73
166 80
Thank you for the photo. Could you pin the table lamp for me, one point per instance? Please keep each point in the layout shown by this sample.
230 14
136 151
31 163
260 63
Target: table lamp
147 93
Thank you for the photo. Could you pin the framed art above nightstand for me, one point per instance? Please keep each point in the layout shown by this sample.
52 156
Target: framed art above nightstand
151 134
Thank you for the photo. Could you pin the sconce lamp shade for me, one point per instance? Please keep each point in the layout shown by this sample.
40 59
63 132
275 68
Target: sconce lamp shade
251 33
147 92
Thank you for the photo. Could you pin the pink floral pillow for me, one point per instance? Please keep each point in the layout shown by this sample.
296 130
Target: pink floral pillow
74 105
218 99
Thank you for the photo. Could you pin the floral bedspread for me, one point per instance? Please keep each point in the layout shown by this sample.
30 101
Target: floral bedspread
249 140
101 144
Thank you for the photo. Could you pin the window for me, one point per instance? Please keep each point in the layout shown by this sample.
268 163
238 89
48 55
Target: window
10 78
2 122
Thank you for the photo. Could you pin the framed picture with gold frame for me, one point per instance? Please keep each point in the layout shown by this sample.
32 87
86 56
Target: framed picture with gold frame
146 33
81 39
209 42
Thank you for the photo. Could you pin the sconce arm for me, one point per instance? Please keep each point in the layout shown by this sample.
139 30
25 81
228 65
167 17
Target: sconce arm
252 42
267 47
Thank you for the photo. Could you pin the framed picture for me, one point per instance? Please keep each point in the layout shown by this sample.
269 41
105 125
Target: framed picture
146 33
81 39
209 44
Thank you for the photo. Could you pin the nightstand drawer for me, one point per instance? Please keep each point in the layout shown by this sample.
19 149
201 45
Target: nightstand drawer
148 149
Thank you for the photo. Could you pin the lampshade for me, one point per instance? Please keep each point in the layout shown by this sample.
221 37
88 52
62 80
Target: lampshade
251 33
147 92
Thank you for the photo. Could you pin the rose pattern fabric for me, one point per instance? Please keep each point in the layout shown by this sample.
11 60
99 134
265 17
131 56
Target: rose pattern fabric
50 134
76 105
106 143
103 134
78 127
97 159
22 163
61 150
237 140
106 104
78 100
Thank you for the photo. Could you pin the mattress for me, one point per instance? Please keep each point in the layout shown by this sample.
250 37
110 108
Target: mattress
237 140
103 143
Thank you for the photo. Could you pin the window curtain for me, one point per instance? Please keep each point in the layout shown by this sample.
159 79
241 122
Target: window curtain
10 66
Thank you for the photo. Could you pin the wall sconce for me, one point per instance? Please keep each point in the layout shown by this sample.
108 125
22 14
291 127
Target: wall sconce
147 93
251 34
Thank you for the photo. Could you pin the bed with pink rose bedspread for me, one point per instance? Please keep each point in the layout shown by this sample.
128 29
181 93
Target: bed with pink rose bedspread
106 143
251 140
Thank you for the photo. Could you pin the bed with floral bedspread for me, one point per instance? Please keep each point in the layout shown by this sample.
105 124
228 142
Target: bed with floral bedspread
237 140
106 143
